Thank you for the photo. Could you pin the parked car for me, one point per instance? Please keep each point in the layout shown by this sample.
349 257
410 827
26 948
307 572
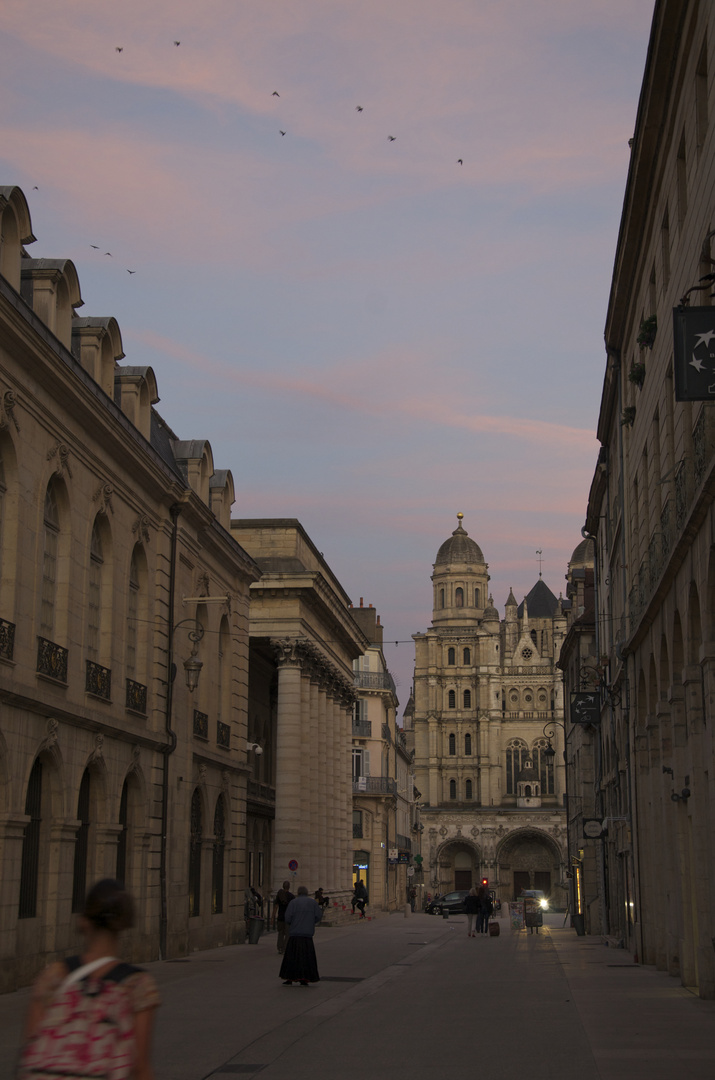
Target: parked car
537 894
453 902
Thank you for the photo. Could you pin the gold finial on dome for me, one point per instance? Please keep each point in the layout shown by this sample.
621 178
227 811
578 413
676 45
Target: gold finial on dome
460 515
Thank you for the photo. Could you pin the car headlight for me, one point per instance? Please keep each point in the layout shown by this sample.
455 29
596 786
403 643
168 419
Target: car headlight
544 904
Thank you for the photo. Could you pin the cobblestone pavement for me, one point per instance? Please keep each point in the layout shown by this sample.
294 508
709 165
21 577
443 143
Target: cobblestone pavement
415 997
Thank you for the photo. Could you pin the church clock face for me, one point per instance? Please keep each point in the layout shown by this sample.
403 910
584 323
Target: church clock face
527 654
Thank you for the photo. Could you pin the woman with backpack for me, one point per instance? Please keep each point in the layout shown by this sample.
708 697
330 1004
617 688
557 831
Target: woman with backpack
92 1015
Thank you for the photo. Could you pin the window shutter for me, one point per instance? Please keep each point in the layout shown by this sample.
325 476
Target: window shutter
366 763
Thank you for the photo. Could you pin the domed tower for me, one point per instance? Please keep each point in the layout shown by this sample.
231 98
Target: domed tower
459 581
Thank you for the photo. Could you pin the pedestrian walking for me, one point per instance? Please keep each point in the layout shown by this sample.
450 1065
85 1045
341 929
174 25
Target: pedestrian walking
471 906
92 1015
485 910
412 898
360 898
299 962
281 902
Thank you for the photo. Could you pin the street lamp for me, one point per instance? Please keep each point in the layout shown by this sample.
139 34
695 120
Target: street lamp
192 666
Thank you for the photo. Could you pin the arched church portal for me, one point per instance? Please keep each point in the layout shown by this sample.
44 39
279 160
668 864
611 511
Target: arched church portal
530 859
458 866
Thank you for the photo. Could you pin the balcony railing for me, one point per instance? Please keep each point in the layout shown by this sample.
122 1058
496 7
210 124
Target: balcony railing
98 680
7 639
201 724
375 785
135 697
374 680
362 729
264 792
51 660
223 735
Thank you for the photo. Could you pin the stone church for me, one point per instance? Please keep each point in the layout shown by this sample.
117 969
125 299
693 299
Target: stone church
489 733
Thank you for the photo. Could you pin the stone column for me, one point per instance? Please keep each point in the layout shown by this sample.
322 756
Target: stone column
290 832
307 752
321 826
313 777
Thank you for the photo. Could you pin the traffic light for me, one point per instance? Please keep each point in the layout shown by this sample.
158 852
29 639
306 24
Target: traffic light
485 882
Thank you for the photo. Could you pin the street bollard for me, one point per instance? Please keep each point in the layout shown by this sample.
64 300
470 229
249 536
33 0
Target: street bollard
408 911
445 913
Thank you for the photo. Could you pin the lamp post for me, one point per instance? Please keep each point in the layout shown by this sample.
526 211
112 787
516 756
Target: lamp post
550 753
192 670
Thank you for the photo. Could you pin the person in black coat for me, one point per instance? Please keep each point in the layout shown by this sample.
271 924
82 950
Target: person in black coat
471 906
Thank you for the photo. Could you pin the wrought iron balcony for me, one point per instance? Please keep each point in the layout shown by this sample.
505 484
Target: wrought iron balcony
374 680
264 792
51 660
135 697
7 639
201 724
98 680
223 735
362 729
374 785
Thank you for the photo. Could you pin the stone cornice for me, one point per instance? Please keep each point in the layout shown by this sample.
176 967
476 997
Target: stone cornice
302 653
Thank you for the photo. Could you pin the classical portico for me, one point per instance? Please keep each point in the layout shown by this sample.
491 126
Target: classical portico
303 641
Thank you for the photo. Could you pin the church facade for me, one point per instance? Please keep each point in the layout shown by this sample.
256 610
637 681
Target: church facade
489 732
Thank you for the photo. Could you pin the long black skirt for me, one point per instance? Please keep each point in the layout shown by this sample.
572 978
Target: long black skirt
299 963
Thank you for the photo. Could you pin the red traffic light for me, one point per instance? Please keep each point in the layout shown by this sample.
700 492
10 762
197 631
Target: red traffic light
485 881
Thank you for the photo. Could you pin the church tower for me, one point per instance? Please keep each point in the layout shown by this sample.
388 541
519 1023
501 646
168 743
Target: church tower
488 711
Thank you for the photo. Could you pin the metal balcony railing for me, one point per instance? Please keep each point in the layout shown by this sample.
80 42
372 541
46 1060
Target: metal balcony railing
362 729
135 697
7 639
51 660
375 785
374 680
98 680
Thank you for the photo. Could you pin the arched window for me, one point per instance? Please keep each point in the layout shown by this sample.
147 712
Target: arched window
195 854
459 597
452 745
452 700
81 844
468 744
453 789
121 874
450 656
30 859
468 789
516 754
49 563
218 857
94 599
467 699
543 766
476 598
467 657
441 598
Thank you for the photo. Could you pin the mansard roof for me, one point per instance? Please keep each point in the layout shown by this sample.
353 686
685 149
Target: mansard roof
540 602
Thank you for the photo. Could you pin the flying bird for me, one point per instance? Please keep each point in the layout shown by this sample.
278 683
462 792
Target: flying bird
131 271
119 48
95 246
176 43
282 132
358 108
109 253
275 94
391 138
35 188
459 161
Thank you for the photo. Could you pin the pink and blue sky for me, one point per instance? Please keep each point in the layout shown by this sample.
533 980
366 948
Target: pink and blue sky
371 335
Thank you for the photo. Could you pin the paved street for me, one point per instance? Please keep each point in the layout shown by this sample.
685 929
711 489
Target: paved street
416 997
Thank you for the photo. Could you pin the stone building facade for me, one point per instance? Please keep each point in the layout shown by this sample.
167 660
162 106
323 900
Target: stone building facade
382 777
488 705
114 549
303 641
651 509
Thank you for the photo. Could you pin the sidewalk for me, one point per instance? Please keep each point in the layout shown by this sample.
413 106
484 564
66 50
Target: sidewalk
416 997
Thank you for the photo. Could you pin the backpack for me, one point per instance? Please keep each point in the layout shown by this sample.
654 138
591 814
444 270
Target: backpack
87 1029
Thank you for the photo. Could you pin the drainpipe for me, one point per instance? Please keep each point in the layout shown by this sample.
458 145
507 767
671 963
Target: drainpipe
169 749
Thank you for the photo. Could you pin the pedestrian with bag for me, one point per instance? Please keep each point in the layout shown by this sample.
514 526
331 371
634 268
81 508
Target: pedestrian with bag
485 910
281 902
92 1015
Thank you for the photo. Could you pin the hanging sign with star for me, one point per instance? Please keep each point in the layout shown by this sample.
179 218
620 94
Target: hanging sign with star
694 353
